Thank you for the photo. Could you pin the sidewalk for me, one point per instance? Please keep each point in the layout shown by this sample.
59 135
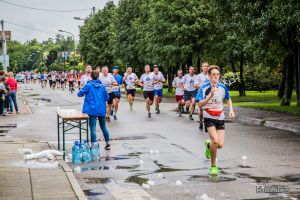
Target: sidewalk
270 119
27 180
31 180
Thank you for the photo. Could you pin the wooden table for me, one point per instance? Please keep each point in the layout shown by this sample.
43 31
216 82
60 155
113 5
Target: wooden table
68 120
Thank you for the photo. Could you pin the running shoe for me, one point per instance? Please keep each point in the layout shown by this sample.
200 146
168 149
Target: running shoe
157 111
107 147
149 115
191 117
107 118
115 117
111 112
201 127
207 148
214 170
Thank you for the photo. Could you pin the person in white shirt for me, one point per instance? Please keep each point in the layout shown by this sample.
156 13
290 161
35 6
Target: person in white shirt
179 91
87 76
130 80
147 82
109 81
202 79
159 79
190 91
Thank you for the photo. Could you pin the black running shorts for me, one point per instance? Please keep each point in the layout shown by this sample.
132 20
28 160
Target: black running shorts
219 124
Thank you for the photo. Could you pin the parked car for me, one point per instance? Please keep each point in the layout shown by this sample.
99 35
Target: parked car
20 77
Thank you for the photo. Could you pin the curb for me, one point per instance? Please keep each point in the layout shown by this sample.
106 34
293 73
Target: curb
25 103
271 124
74 184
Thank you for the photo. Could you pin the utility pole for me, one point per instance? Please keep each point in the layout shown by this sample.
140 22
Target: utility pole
4 52
94 10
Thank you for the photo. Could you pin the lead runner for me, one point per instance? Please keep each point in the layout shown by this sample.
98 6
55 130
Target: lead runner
210 97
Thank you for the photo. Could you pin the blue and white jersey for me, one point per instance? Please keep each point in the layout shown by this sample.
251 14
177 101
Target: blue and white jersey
119 80
216 102
159 77
147 80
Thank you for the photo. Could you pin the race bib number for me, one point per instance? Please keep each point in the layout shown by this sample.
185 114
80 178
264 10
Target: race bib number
130 87
148 84
109 89
116 88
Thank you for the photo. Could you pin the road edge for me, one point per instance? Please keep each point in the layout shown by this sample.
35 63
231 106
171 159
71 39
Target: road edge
271 124
74 183
25 103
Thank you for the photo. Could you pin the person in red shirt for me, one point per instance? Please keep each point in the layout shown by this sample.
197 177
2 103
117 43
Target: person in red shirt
12 94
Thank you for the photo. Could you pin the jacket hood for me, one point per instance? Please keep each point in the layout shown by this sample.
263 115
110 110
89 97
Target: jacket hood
95 83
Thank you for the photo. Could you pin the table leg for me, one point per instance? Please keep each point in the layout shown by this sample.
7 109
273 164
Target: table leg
87 130
64 142
58 135
80 130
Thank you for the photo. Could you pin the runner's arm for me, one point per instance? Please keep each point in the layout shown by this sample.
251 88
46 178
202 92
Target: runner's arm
229 105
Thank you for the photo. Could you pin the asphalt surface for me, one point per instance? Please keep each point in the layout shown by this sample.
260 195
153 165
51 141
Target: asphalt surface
168 151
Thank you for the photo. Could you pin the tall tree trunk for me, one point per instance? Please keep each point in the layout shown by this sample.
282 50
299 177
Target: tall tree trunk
242 91
282 83
289 80
298 73
189 61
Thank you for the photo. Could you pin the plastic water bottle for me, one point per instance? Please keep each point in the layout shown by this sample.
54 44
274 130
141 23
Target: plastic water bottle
95 151
85 152
76 153
88 151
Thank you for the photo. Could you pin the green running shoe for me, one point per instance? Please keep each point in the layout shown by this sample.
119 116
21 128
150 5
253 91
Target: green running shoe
207 151
214 171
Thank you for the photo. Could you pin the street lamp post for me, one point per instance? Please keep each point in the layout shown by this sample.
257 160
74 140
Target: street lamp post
74 43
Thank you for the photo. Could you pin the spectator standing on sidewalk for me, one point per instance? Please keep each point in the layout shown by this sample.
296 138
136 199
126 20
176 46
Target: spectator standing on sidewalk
3 91
94 105
12 94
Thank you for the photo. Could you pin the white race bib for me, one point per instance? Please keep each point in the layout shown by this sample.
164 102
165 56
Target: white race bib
116 88
148 84
109 88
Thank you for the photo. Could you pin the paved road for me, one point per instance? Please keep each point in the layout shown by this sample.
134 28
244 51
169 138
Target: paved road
253 156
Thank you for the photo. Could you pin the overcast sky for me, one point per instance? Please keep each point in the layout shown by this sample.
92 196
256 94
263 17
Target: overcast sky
46 21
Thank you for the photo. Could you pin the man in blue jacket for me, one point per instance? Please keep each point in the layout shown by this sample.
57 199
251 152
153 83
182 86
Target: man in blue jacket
94 105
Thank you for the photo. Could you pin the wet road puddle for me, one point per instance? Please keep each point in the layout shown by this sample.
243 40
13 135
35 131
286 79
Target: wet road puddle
206 178
136 179
100 168
91 194
43 99
33 95
258 179
9 126
3 131
108 158
98 180
129 138
261 179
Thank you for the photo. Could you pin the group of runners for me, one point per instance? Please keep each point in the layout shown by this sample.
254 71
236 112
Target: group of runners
55 79
204 89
